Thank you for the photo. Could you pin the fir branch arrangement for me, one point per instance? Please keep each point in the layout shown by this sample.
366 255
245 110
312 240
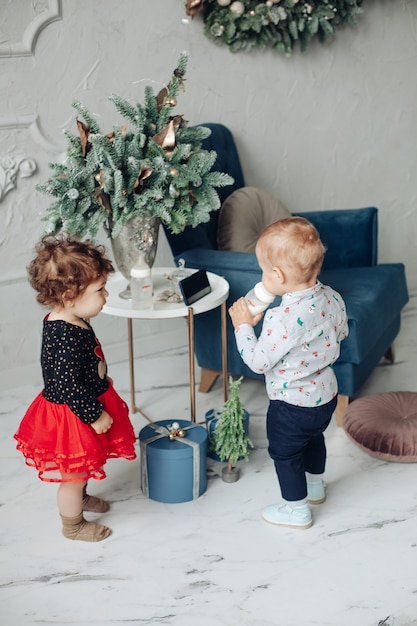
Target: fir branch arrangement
277 24
155 166
230 441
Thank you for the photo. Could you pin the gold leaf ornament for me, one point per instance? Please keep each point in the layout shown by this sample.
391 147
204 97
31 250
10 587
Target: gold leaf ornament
144 173
111 136
103 199
166 137
193 7
99 178
160 98
84 132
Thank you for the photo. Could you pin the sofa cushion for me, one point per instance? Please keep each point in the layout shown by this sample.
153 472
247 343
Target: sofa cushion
373 298
244 215
350 236
384 425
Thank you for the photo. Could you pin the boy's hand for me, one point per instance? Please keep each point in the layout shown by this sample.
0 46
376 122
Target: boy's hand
103 424
240 314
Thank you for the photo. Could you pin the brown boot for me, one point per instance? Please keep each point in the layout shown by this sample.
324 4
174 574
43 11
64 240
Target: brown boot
93 503
79 529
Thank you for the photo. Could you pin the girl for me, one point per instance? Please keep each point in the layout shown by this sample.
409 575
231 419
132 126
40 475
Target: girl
78 420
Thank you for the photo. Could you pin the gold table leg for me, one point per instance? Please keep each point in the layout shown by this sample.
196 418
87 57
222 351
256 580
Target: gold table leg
191 356
224 351
191 361
133 407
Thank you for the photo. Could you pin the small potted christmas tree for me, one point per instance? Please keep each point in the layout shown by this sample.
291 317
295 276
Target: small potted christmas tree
230 440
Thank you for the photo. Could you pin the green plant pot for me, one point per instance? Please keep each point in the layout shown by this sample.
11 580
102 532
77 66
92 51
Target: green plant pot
230 476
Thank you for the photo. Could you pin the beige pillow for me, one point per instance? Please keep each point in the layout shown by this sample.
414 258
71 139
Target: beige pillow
244 215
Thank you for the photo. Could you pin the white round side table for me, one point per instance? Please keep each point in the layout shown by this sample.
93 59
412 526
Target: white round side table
119 307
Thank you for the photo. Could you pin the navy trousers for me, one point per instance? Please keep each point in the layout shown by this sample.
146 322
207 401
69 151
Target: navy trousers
296 443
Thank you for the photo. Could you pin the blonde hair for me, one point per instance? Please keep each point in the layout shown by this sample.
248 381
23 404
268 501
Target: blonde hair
293 243
65 266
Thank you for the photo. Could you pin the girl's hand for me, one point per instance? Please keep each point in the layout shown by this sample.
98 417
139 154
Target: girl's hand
240 314
103 424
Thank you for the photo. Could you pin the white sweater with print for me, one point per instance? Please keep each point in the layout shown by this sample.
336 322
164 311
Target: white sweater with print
299 342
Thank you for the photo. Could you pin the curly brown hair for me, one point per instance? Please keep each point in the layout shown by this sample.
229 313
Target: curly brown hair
63 265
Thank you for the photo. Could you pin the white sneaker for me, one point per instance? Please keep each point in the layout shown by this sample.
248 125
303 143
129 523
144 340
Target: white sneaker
286 515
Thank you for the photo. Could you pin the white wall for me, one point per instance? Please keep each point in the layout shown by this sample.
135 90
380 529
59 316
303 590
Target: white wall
331 128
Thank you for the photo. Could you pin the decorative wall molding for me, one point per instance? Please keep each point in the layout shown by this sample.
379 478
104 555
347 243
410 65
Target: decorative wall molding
50 13
32 123
10 168
15 166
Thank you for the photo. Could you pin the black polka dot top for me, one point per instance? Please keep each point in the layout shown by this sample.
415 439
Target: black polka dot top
73 367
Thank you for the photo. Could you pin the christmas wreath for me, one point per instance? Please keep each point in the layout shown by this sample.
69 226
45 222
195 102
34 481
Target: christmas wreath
276 24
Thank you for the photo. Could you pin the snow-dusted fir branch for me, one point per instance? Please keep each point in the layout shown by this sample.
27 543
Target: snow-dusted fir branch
153 164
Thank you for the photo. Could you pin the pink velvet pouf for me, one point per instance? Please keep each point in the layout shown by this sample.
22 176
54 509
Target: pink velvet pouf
384 425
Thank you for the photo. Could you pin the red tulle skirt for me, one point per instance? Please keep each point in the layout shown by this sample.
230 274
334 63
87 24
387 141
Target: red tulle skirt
55 441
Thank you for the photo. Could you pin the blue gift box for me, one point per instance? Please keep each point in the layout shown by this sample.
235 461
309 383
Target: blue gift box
173 469
212 417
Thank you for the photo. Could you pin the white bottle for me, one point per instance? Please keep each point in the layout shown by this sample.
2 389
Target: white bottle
258 299
141 285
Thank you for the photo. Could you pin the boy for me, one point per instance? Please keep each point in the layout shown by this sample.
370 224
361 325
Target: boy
299 342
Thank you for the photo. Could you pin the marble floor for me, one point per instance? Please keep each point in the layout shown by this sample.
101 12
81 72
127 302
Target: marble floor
213 561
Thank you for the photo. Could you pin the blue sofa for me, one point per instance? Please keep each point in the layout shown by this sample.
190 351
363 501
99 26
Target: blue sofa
374 293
